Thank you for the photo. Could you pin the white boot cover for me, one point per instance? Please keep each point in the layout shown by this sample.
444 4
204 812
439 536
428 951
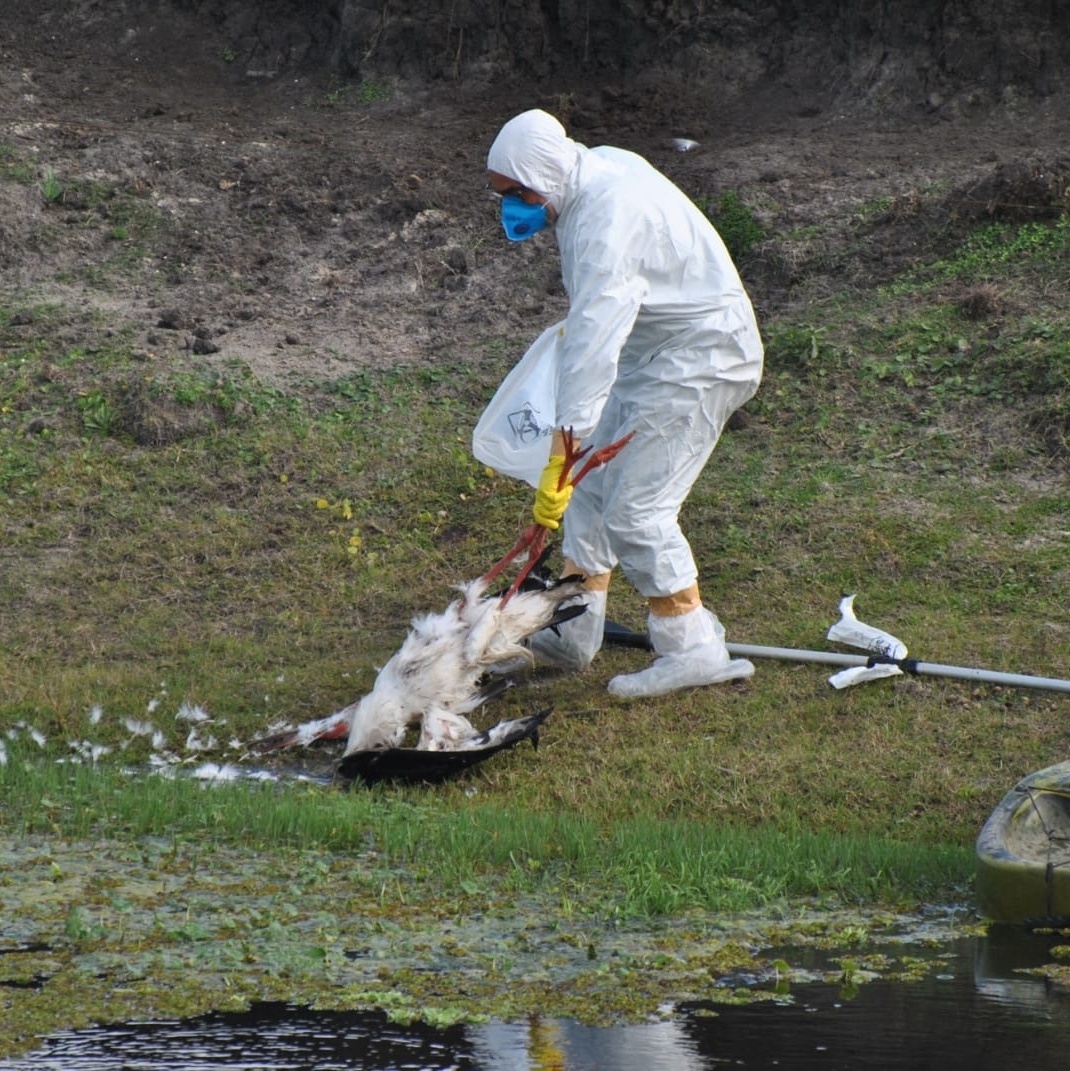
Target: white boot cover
576 642
690 651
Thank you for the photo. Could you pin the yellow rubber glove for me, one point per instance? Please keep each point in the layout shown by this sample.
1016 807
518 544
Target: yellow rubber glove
551 500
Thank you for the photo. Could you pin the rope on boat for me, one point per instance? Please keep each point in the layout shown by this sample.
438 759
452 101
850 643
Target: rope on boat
1055 840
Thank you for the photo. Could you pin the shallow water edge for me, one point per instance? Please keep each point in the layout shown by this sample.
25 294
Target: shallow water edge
160 929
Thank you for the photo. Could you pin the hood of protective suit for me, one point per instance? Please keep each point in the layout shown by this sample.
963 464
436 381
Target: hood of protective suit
534 149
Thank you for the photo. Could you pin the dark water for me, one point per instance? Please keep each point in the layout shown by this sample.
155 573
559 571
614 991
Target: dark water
974 1012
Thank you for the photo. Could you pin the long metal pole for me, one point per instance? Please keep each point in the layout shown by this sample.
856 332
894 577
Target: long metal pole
617 634
908 665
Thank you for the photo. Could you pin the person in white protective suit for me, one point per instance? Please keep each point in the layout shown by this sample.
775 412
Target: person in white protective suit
660 340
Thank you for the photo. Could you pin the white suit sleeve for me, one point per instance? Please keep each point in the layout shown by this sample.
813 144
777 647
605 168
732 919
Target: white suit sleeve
604 300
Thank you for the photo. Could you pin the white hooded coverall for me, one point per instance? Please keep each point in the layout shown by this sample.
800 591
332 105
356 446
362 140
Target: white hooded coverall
660 340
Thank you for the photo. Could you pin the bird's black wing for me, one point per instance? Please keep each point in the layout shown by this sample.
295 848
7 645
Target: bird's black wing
414 765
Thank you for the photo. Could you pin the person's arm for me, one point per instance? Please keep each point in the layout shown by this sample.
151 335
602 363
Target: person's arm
602 312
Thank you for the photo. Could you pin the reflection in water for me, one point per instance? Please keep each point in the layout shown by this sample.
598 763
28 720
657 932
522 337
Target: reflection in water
976 1013
270 1036
651 1047
948 1022
998 961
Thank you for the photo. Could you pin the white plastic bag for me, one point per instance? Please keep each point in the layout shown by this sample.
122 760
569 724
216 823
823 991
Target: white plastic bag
513 434
876 641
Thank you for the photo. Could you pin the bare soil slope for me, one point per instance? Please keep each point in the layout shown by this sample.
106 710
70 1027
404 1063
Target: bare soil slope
158 185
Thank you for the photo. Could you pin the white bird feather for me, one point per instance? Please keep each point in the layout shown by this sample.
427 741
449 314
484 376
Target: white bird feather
437 677
434 678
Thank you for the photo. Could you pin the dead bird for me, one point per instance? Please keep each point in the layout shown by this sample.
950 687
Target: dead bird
448 666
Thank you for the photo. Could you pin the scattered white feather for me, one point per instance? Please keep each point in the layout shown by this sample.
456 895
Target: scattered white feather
21 727
151 706
96 712
88 751
214 771
192 713
3 753
195 742
139 728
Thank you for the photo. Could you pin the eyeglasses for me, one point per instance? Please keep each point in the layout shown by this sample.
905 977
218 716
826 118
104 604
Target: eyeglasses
512 191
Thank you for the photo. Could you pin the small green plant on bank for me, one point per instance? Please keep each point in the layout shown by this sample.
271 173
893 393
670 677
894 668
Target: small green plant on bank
51 188
367 91
372 91
735 221
98 414
802 348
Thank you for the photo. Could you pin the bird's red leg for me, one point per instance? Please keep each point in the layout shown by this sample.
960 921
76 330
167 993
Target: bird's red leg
533 538
332 728
535 549
522 544
572 454
600 457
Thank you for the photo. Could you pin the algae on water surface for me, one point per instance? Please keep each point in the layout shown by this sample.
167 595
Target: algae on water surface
107 932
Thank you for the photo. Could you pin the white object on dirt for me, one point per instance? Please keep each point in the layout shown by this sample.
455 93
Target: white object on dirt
849 630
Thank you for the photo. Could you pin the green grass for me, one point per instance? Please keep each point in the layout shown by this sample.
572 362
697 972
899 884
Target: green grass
638 867
367 91
735 221
15 166
176 530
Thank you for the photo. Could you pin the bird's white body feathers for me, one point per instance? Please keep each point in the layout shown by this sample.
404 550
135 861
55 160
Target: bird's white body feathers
434 679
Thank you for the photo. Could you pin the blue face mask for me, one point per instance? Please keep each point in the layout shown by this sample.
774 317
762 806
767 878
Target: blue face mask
522 220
